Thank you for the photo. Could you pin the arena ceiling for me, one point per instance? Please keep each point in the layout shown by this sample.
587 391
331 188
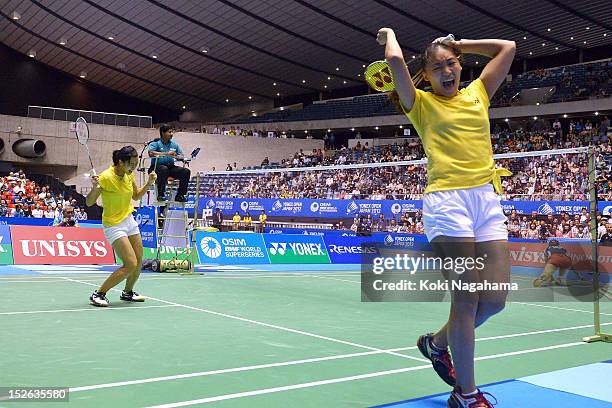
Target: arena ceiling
217 52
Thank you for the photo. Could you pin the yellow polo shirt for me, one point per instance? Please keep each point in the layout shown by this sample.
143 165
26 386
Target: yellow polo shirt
116 196
456 137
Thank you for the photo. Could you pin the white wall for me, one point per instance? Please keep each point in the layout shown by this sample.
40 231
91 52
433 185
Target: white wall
219 150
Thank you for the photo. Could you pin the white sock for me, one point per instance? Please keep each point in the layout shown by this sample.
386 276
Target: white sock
437 347
470 394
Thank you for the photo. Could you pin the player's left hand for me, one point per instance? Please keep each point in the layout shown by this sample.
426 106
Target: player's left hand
448 40
152 178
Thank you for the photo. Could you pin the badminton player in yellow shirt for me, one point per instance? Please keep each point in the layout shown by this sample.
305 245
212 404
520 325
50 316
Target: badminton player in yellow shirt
462 213
117 186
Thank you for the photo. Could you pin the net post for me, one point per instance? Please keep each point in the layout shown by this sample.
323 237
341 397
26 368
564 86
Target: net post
597 290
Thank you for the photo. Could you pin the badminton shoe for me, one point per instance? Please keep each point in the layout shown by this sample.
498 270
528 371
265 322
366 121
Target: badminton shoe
440 359
98 299
131 296
477 400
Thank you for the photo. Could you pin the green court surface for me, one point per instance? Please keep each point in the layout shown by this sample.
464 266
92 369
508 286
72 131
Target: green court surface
255 339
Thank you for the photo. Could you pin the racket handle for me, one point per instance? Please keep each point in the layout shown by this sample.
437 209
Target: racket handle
93 171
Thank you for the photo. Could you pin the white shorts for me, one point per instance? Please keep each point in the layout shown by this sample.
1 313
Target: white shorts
125 228
465 213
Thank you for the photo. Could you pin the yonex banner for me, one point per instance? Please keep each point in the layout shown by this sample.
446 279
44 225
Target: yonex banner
296 249
6 251
60 245
231 248
389 208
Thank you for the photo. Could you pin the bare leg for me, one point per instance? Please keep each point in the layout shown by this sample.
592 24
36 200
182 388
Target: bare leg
136 243
125 251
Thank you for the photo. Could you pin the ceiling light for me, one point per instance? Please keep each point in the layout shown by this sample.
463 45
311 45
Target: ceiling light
596 113
227 100
325 86
184 107
204 50
543 44
537 103
548 29
376 127
344 82
110 36
337 68
358 75
274 84
63 41
154 56
524 37
32 54
556 48
328 130
250 97
401 126
303 81
505 120
605 34
278 94
363 66
476 62
530 53
306 131
83 74
252 111
282 108
584 42
588 28
353 129
535 118
565 115
571 38
414 56
15 15
329 78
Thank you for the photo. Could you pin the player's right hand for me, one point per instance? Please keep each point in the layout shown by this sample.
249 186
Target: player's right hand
381 37
95 181
172 153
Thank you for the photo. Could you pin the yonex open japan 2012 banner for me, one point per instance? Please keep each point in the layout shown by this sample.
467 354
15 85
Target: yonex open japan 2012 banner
60 245
389 208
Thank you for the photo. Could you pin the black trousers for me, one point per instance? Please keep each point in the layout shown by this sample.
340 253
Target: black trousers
182 174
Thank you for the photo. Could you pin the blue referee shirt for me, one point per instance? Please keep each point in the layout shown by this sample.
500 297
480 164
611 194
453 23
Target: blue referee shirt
160 146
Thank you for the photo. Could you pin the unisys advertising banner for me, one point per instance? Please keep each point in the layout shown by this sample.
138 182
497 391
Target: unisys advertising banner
60 245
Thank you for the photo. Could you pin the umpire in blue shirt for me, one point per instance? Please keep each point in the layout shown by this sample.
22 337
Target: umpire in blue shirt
165 151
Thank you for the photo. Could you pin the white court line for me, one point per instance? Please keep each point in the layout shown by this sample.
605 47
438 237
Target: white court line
336 279
143 278
273 326
345 379
90 309
561 308
305 361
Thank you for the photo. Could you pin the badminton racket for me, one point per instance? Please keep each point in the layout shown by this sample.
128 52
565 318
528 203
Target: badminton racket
81 130
378 76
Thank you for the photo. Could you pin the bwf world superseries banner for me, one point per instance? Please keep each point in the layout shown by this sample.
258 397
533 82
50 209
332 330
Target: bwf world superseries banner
389 208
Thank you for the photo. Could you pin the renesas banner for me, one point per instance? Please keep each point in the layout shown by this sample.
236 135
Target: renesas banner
60 245
390 208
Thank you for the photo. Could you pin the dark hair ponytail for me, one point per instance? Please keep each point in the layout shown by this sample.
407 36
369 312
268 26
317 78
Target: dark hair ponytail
124 154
